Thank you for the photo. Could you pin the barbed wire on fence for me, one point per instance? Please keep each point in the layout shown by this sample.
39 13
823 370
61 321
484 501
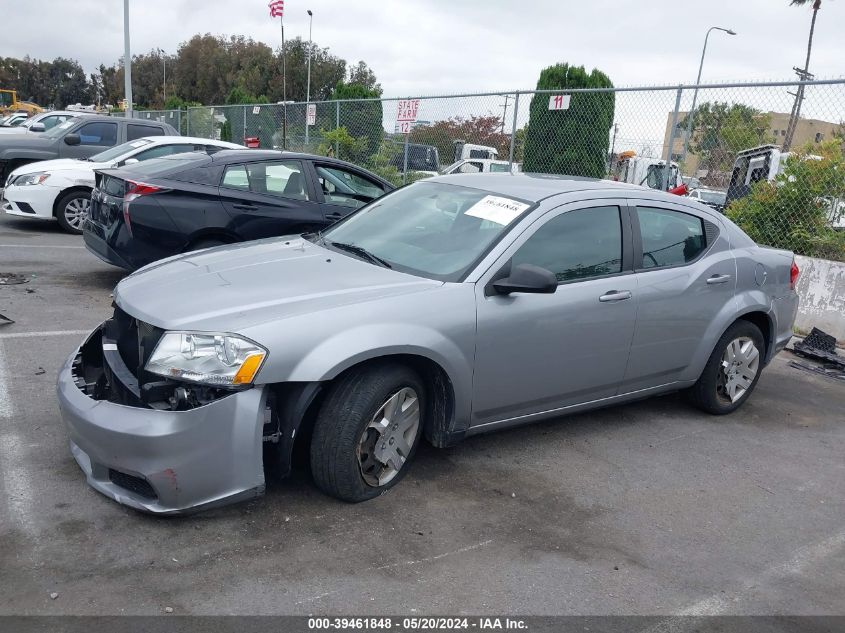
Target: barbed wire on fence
730 148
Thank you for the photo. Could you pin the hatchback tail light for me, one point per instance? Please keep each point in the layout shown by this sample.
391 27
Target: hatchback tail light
793 275
135 190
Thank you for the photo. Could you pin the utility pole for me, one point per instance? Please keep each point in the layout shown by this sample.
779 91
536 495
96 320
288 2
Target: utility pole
127 61
795 114
612 149
505 114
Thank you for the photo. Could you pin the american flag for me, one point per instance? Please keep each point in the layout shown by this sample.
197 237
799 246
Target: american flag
277 8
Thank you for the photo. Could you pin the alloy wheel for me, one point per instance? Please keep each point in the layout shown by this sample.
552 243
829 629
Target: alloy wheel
76 211
387 440
739 366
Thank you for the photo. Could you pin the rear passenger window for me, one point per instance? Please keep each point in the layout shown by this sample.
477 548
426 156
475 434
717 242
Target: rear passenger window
134 131
670 238
282 178
576 245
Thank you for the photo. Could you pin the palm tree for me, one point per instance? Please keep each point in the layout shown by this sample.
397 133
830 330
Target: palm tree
799 94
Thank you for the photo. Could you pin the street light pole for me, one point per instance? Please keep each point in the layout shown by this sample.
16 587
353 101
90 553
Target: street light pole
308 80
691 114
164 79
127 61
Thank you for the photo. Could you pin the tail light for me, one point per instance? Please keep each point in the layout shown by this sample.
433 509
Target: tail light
793 275
135 190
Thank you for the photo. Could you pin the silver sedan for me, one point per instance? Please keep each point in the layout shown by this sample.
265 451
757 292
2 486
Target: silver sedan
455 306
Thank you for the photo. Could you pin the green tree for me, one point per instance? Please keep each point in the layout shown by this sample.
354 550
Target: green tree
362 119
721 130
796 211
574 141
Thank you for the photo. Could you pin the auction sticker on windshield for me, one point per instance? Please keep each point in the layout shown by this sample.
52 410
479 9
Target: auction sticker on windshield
497 209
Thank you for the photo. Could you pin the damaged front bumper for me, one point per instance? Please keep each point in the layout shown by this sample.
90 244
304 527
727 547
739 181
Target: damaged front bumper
163 461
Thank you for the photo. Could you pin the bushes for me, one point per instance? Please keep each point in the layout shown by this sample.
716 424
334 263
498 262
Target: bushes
796 211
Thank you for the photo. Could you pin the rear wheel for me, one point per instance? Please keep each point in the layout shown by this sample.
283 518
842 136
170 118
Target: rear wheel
72 209
732 371
367 431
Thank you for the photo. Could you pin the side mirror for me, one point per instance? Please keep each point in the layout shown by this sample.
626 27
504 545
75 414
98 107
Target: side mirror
130 161
527 278
37 127
72 139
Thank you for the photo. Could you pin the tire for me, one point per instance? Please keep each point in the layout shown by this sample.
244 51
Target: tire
72 209
345 456
725 384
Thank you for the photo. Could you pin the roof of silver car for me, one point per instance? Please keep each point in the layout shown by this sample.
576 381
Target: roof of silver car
536 187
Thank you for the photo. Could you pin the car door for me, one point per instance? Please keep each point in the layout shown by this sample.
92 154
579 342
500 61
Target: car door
686 274
343 190
541 352
94 137
269 198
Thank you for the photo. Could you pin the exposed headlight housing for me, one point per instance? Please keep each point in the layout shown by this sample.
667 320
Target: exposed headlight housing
31 179
220 360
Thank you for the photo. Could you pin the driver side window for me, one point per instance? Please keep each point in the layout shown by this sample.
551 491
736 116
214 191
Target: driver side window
346 188
576 245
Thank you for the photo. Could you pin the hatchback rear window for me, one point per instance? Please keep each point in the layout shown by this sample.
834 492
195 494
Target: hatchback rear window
169 164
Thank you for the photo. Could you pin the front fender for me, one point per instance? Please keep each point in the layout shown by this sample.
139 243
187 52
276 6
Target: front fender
337 353
25 154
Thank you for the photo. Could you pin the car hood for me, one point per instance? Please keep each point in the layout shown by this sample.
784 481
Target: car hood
231 288
14 130
58 164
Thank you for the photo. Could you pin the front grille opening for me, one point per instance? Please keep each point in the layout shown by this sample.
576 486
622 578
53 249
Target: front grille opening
138 485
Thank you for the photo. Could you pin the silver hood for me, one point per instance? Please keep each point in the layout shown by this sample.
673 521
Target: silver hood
230 288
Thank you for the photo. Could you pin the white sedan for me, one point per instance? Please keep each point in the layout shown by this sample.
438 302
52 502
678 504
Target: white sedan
61 189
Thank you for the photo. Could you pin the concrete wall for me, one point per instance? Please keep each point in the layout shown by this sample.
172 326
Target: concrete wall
821 287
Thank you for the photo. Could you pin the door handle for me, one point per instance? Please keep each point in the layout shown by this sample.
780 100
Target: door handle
718 279
245 207
615 295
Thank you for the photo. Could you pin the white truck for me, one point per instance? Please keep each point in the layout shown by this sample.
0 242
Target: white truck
469 150
479 166
649 172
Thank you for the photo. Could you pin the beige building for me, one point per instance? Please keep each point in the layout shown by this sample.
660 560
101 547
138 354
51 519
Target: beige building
807 131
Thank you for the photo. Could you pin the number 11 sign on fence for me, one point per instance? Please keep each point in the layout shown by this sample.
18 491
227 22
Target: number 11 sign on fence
406 114
559 102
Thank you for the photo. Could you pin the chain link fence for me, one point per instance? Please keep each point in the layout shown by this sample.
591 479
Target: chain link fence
768 155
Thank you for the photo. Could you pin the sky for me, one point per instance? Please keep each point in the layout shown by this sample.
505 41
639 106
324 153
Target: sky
438 47
426 47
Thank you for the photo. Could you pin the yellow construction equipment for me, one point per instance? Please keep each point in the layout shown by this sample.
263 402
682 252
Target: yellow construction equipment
9 103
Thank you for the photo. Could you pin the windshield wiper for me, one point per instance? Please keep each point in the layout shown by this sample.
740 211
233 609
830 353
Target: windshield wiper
361 252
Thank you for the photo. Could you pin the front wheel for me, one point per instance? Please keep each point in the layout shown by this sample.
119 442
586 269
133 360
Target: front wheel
367 431
732 371
72 209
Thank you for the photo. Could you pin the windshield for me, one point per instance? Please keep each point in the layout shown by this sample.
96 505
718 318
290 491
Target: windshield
59 130
715 197
434 230
120 150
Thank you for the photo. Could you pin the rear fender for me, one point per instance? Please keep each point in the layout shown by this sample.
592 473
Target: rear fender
741 304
